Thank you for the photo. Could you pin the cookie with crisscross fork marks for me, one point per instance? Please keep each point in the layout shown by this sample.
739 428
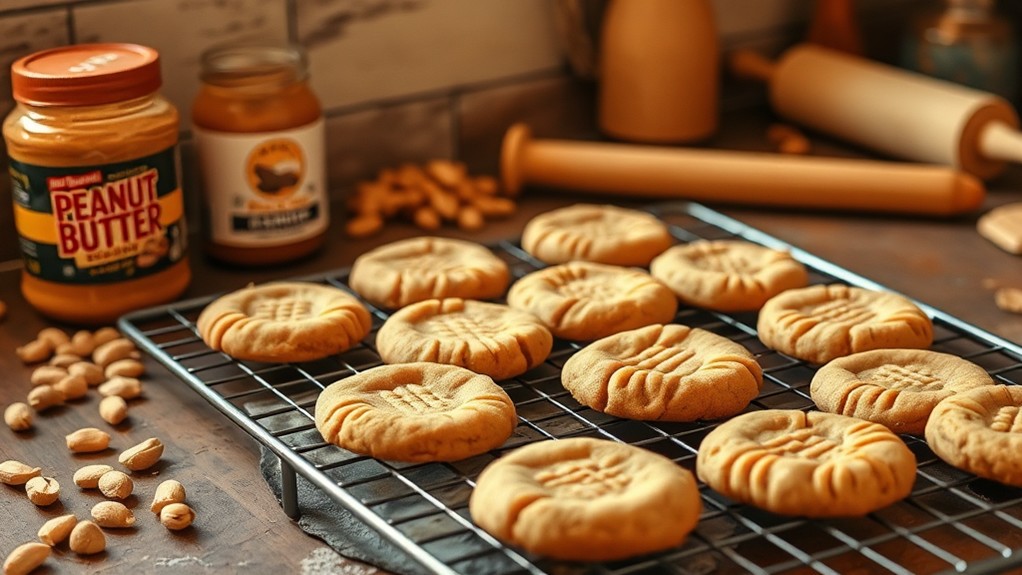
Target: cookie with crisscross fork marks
584 499
284 321
596 233
980 431
416 412
821 322
664 372
585 301
894 387
812 464
488 338
416 269
727 275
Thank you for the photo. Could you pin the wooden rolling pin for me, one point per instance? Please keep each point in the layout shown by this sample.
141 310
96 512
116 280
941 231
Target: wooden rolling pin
750 178
887 109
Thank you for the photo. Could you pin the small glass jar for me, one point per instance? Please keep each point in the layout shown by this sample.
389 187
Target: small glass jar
94 166
260 138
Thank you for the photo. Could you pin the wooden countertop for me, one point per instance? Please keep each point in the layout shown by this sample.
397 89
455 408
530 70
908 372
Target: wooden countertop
942 262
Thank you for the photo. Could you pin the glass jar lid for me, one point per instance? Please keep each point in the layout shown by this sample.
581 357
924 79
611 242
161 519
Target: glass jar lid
86 75
254 66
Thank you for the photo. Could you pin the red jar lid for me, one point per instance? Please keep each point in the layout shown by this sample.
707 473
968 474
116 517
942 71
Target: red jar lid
86 75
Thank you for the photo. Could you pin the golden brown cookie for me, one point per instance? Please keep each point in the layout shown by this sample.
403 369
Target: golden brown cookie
488 338
664 372
408 271
584 499
284 321
596 233
897 388
727 275
811 464
416 412
585 301
822 322
980 431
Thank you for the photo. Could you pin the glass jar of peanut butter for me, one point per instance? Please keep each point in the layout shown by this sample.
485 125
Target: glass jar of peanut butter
260 138
95 173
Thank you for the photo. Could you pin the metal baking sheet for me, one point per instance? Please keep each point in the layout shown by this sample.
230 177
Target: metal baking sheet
952 522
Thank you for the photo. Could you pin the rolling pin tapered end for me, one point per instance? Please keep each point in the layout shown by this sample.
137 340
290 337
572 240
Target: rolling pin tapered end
969 193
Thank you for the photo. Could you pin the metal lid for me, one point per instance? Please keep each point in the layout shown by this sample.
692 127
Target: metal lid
86 75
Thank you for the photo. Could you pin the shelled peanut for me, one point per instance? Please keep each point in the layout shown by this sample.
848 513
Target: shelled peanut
438 192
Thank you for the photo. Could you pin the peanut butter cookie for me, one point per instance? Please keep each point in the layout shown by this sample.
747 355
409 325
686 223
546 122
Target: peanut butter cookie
811 464
596 233
584 499
822 322
284 321
488 338
980 431
413 270
897 388
416 412
664 372
727 275
585 301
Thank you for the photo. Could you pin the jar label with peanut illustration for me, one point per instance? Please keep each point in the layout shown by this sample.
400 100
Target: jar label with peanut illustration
99 224
264 189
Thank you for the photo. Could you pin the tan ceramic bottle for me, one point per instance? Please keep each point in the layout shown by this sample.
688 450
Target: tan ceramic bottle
659 71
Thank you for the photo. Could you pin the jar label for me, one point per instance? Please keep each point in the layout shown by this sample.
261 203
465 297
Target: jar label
265 189
99 224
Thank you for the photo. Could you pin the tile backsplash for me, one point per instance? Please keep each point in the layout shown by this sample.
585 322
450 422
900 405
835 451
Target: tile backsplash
400 80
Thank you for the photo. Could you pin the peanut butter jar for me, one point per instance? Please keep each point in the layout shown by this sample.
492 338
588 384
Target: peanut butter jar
95 172
260 137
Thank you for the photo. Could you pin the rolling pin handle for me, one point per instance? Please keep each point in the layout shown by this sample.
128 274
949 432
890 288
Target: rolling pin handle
511 157
745 63
1001 142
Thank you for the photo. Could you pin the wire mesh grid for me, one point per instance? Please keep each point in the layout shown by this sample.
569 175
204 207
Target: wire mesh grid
951 522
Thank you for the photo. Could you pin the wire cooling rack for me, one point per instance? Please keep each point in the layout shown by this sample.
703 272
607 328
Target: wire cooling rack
951 522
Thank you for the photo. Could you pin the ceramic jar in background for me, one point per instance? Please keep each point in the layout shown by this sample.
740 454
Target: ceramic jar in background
659 71
261 142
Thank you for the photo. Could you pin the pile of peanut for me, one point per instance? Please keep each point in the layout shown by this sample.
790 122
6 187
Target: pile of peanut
66 368
430 195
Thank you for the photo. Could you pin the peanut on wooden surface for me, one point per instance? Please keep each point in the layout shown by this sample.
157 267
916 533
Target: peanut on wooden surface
72 387
92 373
47 375
54 335
113 409
126 387
64 360
42 491
428 195
127 367
26 558
142 456
35 351
116 485
176 516
170 491
56 530
18 416
113 350
87 538
88 477
87 440
43 397
17 473
112 514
